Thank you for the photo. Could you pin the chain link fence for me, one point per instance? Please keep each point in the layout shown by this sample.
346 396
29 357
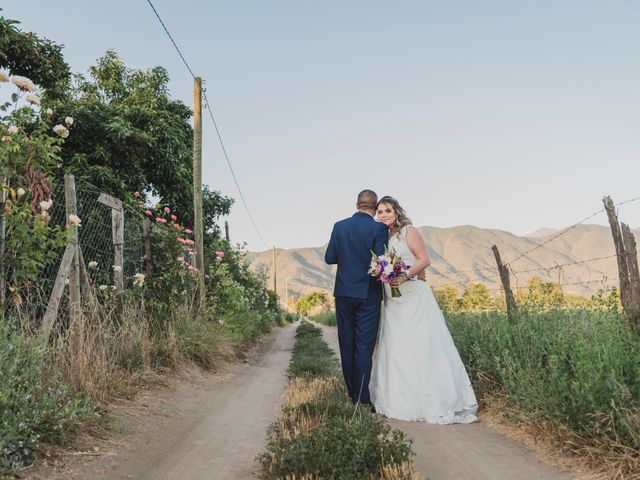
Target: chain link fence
96 242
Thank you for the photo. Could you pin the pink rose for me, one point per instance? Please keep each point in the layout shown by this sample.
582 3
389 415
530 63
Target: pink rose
176 226
167 210
188 241
186 230
174 218
181 240
219 254
161 220
148 213
136 194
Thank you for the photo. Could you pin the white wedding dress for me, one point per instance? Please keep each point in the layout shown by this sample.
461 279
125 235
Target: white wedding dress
417 371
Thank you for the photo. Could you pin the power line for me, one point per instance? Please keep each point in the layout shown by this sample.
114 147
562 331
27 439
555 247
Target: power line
215 125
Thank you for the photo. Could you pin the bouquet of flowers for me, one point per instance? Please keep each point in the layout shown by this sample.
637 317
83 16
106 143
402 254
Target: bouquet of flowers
386 267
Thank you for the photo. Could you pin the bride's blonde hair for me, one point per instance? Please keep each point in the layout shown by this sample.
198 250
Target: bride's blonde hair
401 217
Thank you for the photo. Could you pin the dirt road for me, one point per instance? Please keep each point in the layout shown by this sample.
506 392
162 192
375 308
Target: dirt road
213 429
467 452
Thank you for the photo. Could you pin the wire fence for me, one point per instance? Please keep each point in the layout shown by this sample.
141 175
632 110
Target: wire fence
96 242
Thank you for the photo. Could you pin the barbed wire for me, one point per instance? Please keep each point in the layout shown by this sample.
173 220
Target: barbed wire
562 232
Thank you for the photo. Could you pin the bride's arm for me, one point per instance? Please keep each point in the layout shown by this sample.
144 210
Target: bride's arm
417 246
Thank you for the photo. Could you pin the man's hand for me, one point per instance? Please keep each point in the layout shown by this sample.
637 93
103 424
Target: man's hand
422 275
399 280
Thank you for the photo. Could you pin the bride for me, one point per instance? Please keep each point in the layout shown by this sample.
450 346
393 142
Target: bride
417 371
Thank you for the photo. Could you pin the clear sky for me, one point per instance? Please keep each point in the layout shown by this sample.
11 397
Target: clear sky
504 114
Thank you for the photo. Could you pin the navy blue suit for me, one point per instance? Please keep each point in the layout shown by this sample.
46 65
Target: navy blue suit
358 297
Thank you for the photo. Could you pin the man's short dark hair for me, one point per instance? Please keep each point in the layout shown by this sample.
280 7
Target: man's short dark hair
367 199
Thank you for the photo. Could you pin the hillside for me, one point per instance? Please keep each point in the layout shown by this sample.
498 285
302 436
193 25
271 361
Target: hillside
463 254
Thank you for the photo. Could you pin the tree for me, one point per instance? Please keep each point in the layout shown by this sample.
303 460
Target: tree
314 299
476 297
41 60
131 136
541 295
447 298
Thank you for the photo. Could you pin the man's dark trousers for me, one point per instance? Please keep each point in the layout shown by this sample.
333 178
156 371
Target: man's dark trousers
357 329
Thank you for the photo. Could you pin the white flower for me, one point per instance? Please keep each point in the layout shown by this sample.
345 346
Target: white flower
46 205
138 279
93 264
221 322
21 192
113 287
68 121
48 111
13 129
61 130
117 268
32 99
4 77
24 84
103 287
74 219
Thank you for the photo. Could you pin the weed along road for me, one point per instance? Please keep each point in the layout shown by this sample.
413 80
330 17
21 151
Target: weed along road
467 452
213 430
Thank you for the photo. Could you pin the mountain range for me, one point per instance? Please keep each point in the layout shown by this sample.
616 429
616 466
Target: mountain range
581 258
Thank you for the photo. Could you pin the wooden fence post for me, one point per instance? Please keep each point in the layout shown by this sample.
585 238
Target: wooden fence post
146 232
75 306
623 269
117 234
506 284
4 192
634 275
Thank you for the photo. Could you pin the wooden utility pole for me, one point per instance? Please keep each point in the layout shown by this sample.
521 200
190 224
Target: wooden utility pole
75 310
286 294
197 184
275 283
506 284
623 270
226 231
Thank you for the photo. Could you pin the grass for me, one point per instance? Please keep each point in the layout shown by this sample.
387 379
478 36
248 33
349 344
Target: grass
328 318
49 390
574 373
320 434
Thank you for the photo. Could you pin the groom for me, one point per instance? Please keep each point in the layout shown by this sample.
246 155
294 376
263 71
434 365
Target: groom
357 294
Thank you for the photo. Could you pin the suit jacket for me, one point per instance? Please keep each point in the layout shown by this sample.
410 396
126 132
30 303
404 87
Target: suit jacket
352 241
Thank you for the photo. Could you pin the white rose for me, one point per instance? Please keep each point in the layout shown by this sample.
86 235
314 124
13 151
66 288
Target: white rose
32 99
13 129
61 130
93 265
117 268
74 219
48 111
21 192
46 205
68 121
24 84
103 287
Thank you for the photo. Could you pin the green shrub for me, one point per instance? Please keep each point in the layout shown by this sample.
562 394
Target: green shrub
35 404
577 368
322 434
328 318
